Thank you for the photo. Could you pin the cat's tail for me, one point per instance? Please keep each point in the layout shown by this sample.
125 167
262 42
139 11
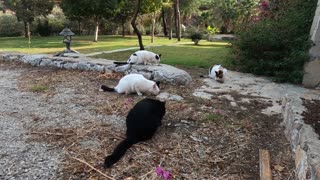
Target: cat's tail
118 152
120 62
204 76
106 88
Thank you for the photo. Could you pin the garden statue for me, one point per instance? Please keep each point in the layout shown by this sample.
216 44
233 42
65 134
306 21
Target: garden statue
67 34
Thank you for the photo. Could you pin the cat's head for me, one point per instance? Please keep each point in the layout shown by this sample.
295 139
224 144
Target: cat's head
155 89
158 57
219 74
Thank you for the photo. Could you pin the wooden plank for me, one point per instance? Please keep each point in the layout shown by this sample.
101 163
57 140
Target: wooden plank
265 171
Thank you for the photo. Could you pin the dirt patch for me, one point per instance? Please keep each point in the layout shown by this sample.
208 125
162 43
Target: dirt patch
312 115
199 139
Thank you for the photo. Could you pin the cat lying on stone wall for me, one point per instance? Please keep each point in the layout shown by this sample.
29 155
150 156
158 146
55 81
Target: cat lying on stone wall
142 57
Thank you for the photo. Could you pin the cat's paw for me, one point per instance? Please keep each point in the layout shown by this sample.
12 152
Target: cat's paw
108 162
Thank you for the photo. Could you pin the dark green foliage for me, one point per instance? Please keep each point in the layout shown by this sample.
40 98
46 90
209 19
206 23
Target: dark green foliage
43 28
9 26
278 46
196 37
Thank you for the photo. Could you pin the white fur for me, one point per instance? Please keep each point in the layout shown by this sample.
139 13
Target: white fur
136 83
215 69
144 57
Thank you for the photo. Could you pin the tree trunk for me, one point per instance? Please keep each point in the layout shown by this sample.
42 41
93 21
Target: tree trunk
170 24
96 31
79 27
123 23
164 23
177 19
134 26
26 29
152 27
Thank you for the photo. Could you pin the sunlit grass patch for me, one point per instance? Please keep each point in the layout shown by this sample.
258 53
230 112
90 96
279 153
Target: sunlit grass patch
38 88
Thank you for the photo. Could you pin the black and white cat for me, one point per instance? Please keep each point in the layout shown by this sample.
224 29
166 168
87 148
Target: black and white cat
142 57
142 122
134 83
218 73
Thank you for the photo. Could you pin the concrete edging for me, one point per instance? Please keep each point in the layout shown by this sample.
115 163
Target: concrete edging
304 141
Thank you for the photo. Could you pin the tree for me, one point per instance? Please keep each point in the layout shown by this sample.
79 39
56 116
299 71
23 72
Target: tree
74 11
177 19
227 14
134 25
124 12
97 10
151 7
27 10
2 8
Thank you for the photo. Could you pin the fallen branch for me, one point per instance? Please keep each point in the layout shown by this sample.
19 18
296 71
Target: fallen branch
93 168
49 133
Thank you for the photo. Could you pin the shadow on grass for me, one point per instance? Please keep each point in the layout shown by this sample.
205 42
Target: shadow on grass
206 45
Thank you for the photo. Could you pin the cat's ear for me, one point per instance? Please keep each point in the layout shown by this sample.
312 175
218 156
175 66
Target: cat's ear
158 84
159 55
134 54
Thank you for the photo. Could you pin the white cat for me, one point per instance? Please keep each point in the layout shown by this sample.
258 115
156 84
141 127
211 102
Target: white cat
142 57
134 83
218 73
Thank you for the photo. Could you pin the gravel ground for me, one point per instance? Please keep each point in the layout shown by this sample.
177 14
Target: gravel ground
22 111
52 117
19 159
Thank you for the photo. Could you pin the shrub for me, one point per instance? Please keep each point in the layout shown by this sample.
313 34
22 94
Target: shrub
196 37
43 28
277 46
9 26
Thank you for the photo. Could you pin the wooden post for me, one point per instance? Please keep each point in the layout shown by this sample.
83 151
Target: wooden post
265 171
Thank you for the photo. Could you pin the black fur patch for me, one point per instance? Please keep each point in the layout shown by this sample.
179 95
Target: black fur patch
158 84
134 54
106 88
210 69
142 122
157 57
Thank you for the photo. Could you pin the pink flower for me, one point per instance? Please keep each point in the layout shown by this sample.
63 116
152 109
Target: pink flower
159 171
164 174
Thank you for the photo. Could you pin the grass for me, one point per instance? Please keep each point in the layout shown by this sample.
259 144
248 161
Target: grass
173 53
39 88
212 117
203 55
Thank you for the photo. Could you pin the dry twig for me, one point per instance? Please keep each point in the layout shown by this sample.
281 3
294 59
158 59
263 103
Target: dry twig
97 170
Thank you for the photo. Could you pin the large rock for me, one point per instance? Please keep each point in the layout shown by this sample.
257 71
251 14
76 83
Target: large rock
165 73
162 73
34 60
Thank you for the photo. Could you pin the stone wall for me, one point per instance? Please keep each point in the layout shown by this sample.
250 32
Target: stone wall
162 73
305 144
311 77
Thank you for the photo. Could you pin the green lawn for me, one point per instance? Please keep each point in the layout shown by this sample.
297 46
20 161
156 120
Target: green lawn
204 55
83 44
174 53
